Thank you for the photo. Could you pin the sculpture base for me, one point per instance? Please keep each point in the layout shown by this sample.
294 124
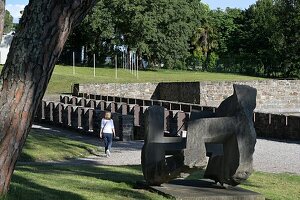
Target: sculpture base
204 190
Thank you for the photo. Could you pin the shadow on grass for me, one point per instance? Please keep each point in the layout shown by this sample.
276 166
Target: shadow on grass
122 174
22 188
44 145
113 182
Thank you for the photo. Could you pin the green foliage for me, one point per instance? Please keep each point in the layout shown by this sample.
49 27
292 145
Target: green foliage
212 61
212 38
160 30
8 22
286 37
262 40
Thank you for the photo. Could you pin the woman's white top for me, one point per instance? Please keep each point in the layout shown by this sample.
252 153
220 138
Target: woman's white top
107 125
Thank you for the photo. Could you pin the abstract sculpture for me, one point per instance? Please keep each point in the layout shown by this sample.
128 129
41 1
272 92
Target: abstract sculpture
227 137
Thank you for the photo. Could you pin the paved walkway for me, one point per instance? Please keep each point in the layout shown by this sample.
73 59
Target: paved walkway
269 156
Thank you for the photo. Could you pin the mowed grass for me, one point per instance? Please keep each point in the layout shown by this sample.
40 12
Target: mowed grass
44 182
44 145
63 78
283 186
65 181
275 186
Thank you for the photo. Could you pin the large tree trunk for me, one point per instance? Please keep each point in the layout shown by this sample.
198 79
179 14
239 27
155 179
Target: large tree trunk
44 28
2 17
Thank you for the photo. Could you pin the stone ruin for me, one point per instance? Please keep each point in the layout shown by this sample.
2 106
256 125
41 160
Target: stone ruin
226 136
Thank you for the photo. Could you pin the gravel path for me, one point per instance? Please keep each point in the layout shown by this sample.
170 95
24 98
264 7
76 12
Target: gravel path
269 156
275 156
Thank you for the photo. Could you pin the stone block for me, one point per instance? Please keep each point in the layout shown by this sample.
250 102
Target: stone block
74 101
76 117
100 104
87 120
58 113
40 114
49 112
122 108
126 127
204 190
64 99
66 115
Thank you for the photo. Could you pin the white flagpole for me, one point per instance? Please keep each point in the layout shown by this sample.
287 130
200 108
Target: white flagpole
116 66
73 63
94 65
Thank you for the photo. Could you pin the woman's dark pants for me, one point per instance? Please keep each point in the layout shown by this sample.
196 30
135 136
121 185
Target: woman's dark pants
107 141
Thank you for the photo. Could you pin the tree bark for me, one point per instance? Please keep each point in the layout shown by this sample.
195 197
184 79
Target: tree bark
44 29
2 17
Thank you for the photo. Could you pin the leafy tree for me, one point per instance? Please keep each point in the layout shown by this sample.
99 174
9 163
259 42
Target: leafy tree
8 22
257 31
212 39
286 38
160 30
2 16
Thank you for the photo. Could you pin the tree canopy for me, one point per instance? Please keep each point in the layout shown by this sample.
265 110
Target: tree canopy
8 22
261 40
160 30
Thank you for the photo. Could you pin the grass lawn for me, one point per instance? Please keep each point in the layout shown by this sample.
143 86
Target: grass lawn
87 182
63 78
65 182
275 186
45 182
46 146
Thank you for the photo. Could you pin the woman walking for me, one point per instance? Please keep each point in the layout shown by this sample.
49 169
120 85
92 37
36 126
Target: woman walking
107 132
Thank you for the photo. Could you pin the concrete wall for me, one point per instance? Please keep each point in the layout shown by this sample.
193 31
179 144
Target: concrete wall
275 96
188 92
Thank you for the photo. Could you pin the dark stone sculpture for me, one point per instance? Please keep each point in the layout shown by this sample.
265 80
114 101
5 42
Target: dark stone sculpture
227 137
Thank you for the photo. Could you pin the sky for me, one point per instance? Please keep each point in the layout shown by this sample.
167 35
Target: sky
15 6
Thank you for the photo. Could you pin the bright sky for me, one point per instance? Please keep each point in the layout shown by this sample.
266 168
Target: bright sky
242 4
15 6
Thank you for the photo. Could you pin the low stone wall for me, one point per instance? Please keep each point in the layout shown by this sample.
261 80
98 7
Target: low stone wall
85 118
273 96
128 115
128 90
277 126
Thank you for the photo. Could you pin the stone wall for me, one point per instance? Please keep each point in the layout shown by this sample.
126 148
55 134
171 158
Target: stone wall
87 112
277 126
276 96
128 90
273 96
